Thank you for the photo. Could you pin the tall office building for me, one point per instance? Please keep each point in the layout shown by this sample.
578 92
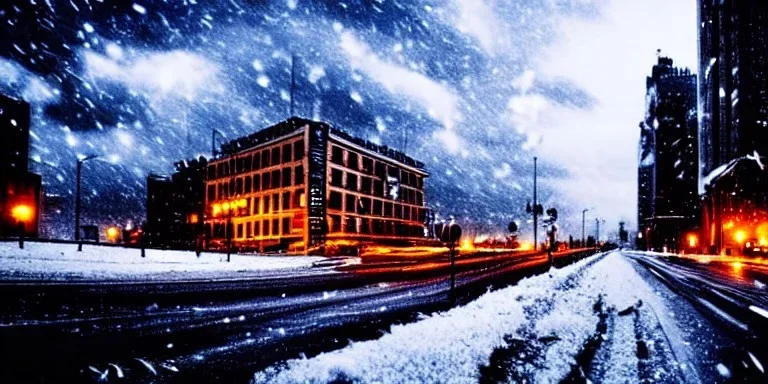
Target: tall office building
733 136
667 174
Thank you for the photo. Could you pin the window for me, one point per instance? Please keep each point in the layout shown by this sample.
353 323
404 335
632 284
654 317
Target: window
211 192
353 161
265 232
286 177
286 226
365 185
211 172
239 186
265 158
247 163
287 153
247 184
275 229
349 203
265 181
256 182
350 224
419 199
388 209
248 232
275 202
367 165
220 169
381 169
256 205
378 227
334 201
365 206
232 169
378 188
337 155
298 150
240 230
351 181
335 223
275 155
265 208
276 178
365 227
257 228
286 201
298 175
407 213
256 161
376 207
336 175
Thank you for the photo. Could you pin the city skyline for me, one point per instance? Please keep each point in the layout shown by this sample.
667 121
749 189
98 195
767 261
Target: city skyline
551 99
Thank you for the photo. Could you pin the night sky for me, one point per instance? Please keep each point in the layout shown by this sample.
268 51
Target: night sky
474 89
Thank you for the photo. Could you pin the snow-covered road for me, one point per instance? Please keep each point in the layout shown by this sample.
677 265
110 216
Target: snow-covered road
597 319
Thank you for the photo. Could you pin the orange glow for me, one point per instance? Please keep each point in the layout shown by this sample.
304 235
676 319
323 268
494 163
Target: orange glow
216 209
728 225
763 242
193 218
22 212
737 265
302 200
466 245
692 240
112 234
225 206
242 203
739 236
526 246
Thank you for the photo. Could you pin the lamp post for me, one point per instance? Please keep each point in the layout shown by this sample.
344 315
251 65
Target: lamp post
77 198
583 227
22 213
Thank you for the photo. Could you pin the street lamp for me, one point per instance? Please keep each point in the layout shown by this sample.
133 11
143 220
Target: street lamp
80 162
583 227
22 213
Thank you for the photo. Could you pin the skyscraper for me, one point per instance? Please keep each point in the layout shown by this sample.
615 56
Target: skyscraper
667 175
733 105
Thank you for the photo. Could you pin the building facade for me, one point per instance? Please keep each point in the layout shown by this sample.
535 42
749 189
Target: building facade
175 207
733 105
667 171
303 185
20 190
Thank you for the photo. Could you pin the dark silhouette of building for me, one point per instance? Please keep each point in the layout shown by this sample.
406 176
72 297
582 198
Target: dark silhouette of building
20 190
733 97
667 175
304 185
175 206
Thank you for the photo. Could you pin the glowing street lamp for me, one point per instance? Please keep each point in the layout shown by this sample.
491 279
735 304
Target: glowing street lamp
22 213
112 234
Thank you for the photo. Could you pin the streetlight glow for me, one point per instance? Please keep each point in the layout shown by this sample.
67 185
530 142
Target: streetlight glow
22 212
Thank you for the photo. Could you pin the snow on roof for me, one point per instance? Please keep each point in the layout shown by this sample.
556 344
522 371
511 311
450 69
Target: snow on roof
452 346
51 261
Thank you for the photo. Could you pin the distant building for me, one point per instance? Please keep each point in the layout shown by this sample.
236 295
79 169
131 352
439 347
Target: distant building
304 185
20 190
667 171
733 98
175 206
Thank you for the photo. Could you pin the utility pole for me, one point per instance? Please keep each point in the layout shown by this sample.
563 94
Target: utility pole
583 227
535 203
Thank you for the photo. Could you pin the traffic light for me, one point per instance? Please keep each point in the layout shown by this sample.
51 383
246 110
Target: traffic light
552 212
512 227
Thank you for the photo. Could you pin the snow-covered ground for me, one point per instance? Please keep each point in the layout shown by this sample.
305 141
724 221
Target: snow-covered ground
48 261
599 311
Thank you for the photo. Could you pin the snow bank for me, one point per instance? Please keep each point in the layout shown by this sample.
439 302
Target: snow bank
51 261
451 347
